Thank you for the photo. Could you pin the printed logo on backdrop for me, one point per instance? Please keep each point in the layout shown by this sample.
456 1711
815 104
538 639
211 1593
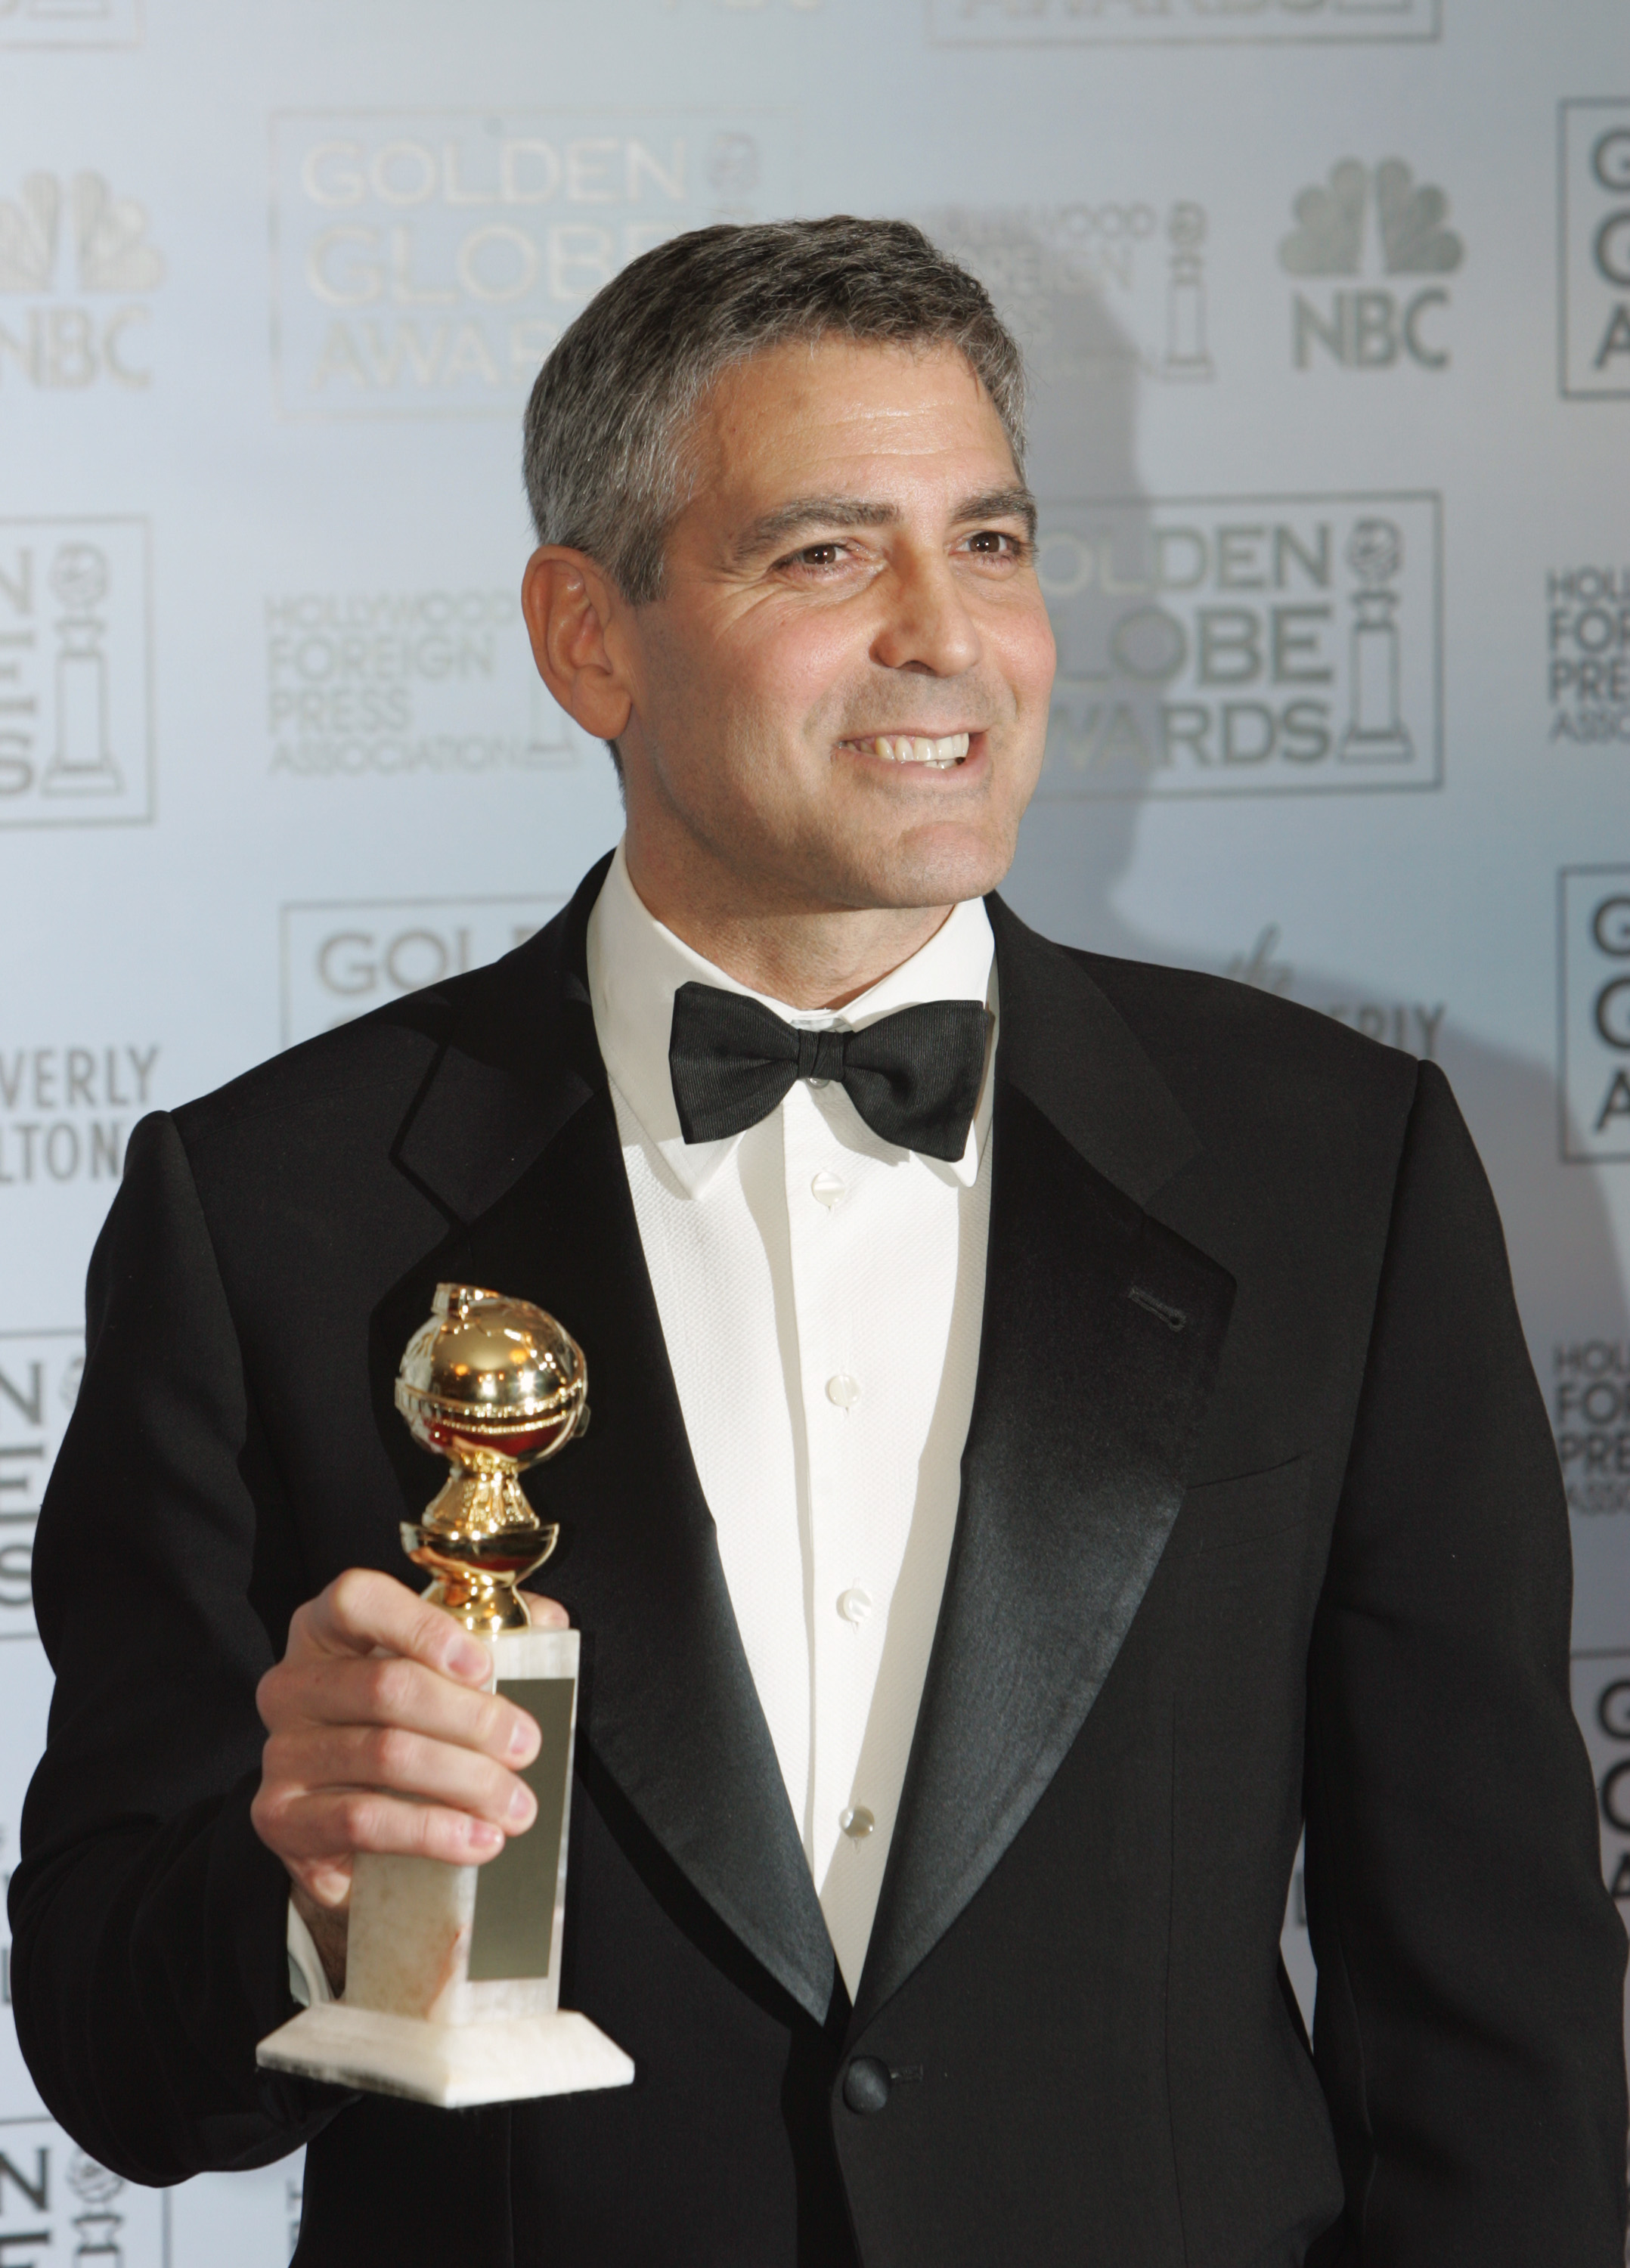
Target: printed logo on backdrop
1143 262
341 959
1601 1692
66 1112
1240 645
1594 921
75 672
1413 1026
1587 655
397 682
425 262
1593 272
1370 223
1590 1418
1046 23
70 23
39 1380
58 2205
77 270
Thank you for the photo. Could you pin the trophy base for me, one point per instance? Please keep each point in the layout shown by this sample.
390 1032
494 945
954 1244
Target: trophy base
455 2067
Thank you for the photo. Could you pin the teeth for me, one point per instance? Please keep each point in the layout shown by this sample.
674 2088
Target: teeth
910 748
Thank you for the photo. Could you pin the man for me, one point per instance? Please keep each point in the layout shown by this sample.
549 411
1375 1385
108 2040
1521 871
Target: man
1048 1445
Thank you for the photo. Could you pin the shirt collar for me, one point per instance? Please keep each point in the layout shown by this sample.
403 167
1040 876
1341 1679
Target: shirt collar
635 965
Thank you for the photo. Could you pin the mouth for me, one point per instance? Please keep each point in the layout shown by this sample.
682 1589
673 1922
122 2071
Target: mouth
940 754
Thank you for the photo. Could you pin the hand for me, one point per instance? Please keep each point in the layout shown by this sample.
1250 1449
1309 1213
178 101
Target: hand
380 1737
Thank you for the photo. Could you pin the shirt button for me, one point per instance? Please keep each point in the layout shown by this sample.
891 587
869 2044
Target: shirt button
827 1189
857 1822
844 1390
854 1604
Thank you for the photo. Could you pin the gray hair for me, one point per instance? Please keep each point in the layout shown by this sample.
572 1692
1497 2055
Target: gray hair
606 464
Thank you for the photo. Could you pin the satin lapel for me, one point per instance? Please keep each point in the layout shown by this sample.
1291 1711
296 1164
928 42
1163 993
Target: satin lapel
515 1137
1101 1337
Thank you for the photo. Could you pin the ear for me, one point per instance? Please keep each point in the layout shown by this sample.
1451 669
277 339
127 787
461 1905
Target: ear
571 606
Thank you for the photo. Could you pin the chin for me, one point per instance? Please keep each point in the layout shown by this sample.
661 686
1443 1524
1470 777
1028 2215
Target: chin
934 873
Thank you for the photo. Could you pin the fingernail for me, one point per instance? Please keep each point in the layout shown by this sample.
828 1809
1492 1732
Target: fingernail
520 1805
470 1659
520 1738
484 1838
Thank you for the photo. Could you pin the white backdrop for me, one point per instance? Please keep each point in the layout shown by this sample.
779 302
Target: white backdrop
1329 305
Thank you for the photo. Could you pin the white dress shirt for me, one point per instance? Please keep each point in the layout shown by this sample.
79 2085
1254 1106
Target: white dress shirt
821 1292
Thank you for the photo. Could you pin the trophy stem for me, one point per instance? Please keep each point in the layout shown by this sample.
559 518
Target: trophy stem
477 1501
479 1539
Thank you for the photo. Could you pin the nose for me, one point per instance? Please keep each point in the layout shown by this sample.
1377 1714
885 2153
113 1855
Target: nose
926 625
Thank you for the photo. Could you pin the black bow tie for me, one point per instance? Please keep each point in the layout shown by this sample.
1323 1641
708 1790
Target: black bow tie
914 1077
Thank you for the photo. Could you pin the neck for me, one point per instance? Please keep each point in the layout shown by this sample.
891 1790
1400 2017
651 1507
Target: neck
808 957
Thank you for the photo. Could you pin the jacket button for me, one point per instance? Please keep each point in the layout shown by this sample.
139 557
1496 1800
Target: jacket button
866 2085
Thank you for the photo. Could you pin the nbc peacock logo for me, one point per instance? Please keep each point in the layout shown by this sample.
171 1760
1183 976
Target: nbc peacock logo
77 268
1375 222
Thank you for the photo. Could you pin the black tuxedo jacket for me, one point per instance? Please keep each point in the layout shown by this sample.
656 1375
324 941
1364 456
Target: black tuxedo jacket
1260 1523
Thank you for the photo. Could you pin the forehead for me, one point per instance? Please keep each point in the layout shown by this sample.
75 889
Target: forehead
834 412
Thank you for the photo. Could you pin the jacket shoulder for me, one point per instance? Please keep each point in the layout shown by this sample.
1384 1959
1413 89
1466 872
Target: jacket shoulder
1215 1023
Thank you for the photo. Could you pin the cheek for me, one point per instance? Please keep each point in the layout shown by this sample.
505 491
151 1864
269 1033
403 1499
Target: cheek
1032 656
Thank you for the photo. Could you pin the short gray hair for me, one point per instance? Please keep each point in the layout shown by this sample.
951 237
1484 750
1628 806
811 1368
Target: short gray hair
609 416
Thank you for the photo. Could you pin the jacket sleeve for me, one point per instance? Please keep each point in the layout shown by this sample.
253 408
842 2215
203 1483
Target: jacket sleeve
149 1921
1469 2026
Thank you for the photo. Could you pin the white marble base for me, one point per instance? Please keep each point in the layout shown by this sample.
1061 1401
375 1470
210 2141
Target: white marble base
503 2060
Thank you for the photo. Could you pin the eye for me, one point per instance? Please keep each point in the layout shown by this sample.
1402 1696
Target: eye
997 543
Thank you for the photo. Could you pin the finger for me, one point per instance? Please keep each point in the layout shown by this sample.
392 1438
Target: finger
306 1764
547 1613
327 1828
389 1690
362 1610
326 1882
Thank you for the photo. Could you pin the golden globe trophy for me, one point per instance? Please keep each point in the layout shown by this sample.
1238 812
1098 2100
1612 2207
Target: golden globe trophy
452 1973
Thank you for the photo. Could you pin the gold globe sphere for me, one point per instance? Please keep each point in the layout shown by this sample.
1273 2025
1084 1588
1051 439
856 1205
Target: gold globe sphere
493 1385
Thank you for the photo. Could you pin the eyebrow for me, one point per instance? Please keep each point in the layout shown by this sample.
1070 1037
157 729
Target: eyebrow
790 518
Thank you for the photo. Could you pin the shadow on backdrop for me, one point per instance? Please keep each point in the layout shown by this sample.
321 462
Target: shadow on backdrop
1107 303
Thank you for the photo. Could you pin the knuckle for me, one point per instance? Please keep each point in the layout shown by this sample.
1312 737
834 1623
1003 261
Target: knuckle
390 1755
348 1594
357 1818
394 1685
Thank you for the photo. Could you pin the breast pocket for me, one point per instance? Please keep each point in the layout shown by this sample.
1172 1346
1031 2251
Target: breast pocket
1220 1516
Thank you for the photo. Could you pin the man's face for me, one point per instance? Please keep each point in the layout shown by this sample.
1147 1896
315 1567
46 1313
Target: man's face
840 700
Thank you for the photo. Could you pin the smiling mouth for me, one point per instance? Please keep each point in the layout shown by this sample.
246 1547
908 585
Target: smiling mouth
938 755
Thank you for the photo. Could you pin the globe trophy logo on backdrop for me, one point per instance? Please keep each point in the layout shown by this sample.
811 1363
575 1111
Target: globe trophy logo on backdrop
1084 23
1144 263
77 236
1221 646
70 23
1593 267
38 1381
1356 221
1594 923
341 959
57 2203
75 672
424 262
